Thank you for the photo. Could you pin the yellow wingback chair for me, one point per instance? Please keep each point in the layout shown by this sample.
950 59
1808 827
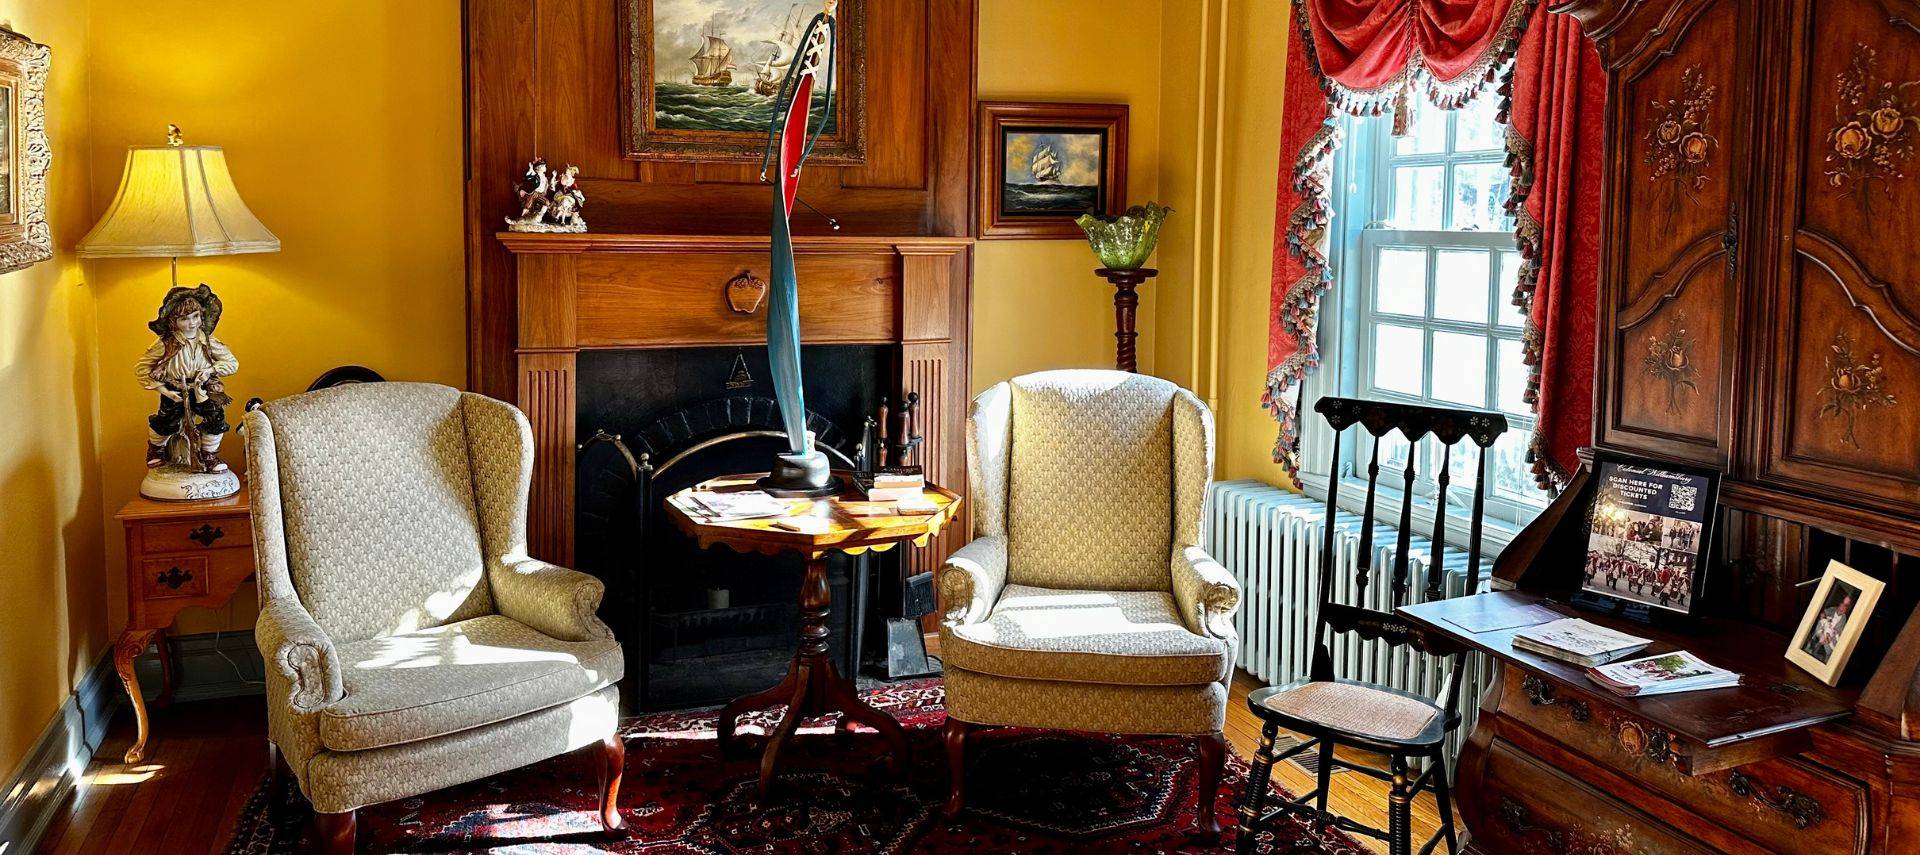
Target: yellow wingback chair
1085 600
411 642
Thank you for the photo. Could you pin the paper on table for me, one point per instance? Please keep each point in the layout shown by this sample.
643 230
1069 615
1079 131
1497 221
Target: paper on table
1489 615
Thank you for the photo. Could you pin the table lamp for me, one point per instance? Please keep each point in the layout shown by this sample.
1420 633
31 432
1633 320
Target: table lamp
174 200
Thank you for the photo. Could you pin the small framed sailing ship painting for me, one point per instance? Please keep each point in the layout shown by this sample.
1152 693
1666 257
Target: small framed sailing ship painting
1043 164
701 78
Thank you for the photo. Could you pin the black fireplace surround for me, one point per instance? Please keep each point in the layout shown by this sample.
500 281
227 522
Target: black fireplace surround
701 626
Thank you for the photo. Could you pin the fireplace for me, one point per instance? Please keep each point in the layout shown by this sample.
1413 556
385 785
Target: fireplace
702 626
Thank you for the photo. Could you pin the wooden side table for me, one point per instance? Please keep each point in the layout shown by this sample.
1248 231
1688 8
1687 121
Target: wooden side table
179 554
812 686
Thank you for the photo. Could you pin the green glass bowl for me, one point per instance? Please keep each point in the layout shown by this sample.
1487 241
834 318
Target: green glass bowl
1125 242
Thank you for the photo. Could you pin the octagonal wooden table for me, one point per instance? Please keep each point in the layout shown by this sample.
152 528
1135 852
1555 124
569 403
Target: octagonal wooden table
813 686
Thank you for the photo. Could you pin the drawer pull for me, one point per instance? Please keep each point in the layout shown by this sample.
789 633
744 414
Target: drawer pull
173 577
1802 808
1652 743
1520 821
1540 694
206 534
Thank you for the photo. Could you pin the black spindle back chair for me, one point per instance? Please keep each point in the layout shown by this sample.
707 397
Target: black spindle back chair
1331 711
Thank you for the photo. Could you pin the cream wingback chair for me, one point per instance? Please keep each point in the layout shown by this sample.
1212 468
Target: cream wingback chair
411 642
1085 600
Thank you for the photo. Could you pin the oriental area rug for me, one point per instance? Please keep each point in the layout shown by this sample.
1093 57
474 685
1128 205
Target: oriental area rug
1028 792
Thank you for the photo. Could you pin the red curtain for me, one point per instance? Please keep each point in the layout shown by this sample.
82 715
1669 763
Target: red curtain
1368 48
1359 56
1556 108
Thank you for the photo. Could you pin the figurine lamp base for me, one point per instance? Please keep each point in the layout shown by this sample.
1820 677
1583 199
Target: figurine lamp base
176 483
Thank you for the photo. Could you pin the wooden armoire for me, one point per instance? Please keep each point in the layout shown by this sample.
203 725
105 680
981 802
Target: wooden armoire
1759 313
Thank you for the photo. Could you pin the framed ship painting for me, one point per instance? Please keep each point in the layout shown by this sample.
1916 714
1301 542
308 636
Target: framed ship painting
1042 165
25 238
701 76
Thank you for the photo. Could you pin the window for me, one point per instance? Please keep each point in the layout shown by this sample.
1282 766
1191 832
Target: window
1427 263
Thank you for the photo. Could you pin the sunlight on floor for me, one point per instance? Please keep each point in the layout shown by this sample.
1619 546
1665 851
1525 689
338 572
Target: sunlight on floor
122 775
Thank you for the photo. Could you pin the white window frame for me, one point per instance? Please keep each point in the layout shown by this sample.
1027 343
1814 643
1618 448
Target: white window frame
1348 311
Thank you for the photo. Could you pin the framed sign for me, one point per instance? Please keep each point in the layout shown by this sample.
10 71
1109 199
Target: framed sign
1042 165
1835 618
25 238
699 78
1649 530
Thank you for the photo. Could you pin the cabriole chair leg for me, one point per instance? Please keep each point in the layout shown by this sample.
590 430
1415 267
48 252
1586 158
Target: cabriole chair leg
1213 763
956 738
613 763
336 833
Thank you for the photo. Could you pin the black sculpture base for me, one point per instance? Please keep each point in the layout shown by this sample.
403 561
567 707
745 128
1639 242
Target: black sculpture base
797 476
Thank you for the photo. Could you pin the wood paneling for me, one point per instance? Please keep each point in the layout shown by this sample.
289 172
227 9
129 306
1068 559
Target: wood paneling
679 300
543 79
623 291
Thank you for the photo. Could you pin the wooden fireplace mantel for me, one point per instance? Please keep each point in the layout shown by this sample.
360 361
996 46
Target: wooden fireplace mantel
624 291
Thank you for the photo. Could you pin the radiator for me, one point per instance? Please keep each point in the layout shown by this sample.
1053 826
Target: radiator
1270 540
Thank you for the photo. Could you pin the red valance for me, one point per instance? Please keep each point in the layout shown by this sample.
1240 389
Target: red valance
1367 52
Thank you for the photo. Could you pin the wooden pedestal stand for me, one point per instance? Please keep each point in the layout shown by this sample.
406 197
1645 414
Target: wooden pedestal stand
812 686
1125 301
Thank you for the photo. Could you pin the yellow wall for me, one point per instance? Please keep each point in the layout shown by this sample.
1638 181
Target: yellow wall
1222 69
1037 304
342 124
52 618
1256 49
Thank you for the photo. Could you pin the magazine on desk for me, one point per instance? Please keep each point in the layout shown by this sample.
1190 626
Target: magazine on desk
1661 674
1578 641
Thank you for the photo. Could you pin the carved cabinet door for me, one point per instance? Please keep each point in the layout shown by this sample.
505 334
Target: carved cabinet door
1680 154
1843 413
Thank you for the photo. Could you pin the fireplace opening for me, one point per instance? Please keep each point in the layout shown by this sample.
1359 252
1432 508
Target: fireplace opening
703 626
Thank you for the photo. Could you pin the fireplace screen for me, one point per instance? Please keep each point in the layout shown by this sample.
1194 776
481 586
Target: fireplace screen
702 626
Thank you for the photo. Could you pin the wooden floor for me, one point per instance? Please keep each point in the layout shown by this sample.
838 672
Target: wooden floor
206 758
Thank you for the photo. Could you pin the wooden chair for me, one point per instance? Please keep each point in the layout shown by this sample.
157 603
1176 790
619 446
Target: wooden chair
1330 711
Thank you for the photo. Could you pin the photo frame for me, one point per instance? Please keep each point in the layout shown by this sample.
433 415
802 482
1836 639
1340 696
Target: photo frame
1835 619
25 237
1043 164
1650 528
707 99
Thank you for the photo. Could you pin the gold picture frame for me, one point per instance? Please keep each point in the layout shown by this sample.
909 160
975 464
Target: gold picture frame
1834 621
25 238
741 133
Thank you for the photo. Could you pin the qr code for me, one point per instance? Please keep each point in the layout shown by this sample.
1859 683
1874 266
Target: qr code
1682 498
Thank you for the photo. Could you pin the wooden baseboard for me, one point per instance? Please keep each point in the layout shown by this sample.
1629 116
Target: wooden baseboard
210 665
46 777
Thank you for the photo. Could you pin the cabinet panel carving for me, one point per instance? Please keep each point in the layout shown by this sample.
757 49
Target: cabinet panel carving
1846 301
1680 106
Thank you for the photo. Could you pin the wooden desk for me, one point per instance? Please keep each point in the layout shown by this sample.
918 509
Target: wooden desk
179 554
812 686
1750 768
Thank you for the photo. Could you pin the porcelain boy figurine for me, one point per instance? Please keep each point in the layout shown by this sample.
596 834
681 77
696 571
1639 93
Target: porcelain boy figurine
185 366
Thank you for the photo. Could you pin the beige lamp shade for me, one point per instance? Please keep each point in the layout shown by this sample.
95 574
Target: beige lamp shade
177 200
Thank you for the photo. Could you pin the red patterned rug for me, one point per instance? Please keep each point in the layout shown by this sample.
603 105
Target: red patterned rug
1029 791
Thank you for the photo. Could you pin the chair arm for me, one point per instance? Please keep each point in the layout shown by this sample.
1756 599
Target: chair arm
971 579
1207 594
291 641
555 600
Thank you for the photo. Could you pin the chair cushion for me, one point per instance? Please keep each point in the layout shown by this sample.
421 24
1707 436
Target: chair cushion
1358 708
1133 638
420 685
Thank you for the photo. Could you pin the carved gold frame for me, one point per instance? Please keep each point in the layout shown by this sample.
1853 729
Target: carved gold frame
25 238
